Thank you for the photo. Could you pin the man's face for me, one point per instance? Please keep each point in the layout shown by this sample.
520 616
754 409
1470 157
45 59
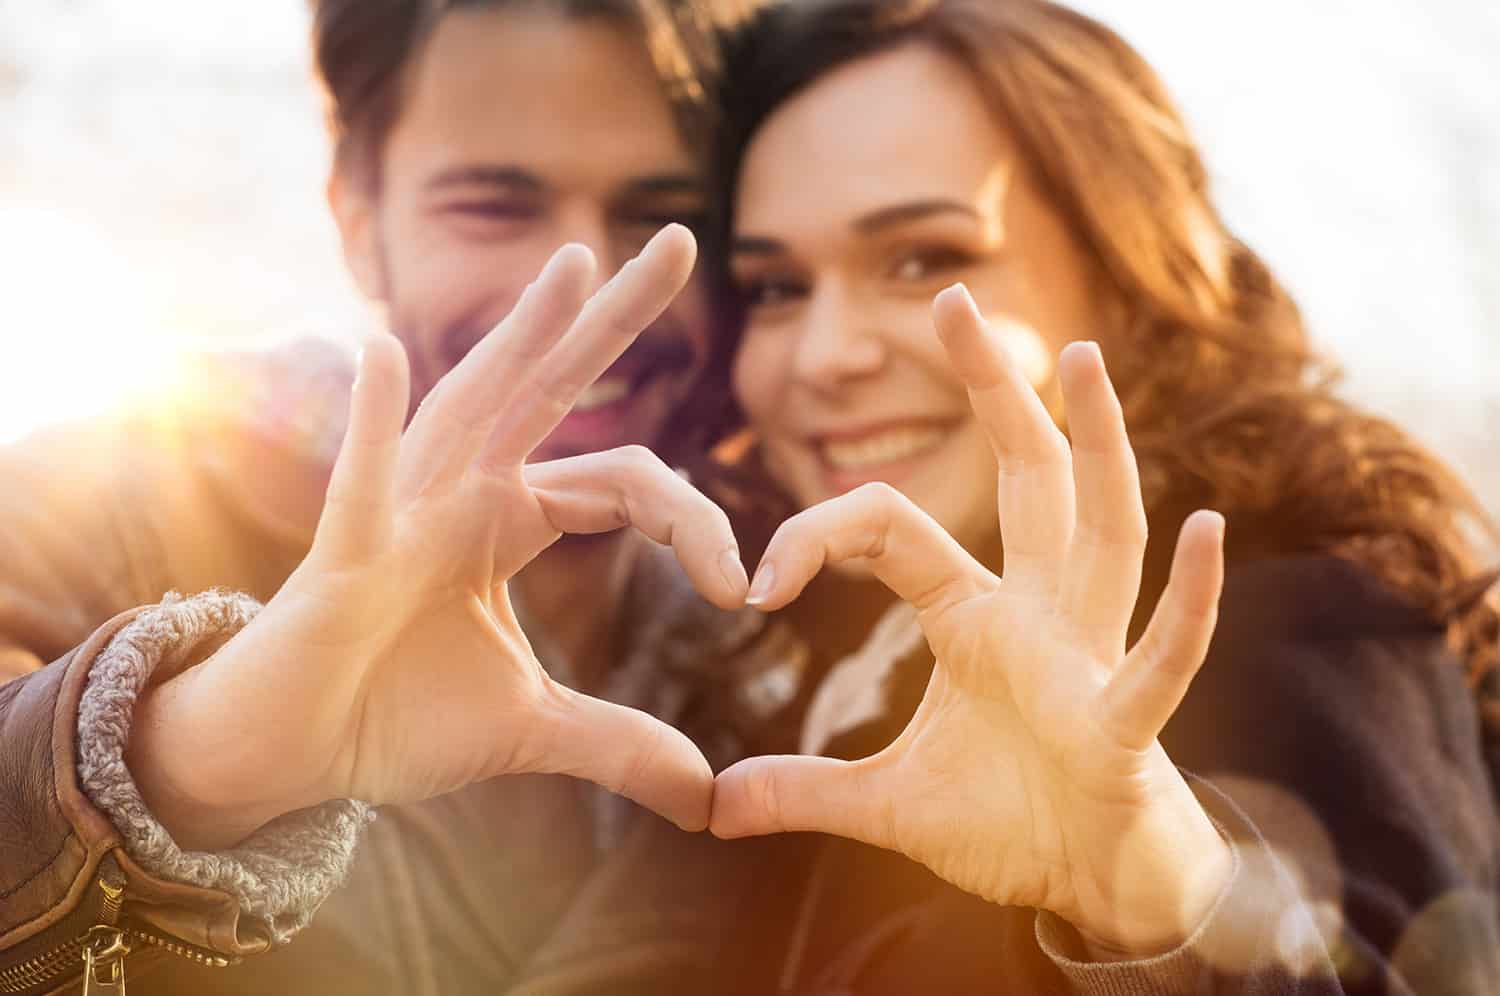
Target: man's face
521 130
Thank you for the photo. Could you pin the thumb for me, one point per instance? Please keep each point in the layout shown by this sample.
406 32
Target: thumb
628 752
764 795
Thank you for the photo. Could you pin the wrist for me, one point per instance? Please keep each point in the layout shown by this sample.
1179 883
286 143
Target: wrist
1172 882
206 798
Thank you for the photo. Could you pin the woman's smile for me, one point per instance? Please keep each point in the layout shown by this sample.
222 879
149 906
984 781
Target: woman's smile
889 450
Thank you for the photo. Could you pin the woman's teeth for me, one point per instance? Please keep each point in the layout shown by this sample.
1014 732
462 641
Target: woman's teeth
882 448
601 393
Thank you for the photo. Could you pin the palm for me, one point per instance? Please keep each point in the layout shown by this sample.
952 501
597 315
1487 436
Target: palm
453 660
1044 762
486 671
1030 773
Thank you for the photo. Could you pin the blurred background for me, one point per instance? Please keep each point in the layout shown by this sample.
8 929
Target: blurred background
162 165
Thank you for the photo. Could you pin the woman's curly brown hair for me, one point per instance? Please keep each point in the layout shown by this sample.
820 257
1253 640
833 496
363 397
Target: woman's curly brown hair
1228 406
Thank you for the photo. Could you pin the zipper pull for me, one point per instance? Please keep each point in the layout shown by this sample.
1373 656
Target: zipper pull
104 953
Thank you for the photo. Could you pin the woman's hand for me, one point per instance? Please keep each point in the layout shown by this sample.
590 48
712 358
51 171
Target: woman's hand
390 666
1031 773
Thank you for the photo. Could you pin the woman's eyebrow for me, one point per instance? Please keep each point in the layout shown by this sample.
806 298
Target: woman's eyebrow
868 224
898 214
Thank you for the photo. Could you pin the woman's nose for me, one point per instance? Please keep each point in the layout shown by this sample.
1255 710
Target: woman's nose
838 341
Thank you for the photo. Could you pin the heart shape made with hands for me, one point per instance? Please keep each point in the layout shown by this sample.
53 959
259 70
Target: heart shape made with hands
390 667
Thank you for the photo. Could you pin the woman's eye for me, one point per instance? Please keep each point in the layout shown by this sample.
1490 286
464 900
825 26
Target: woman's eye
768 292
925 264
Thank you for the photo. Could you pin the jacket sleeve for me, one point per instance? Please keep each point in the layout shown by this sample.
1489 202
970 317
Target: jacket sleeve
88 856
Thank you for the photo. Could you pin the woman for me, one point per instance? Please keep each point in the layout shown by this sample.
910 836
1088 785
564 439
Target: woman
877 153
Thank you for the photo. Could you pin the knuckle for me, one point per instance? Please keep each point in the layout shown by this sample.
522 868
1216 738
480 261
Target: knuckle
1204 614
644 759
619 511
881 496
879 491
545 706
1131 531
1126 531
762 789
621 325
637 465
637 455
1054 447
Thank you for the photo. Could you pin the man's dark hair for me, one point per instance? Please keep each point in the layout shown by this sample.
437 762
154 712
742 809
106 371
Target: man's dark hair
362 50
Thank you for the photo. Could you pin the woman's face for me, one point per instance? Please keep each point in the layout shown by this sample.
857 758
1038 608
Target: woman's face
861 198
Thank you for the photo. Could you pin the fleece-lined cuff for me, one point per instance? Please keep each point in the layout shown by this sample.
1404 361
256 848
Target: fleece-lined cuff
283 872
1259 937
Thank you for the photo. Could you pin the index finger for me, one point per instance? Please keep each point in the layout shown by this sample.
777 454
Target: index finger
878 525
611 320
599 492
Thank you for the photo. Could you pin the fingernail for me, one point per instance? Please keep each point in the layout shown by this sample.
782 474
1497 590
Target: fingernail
1091 348
559 259
961 290
765 580
733 570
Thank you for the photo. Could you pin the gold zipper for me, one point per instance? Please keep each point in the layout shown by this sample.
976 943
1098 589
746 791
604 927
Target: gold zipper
101 951
104 953
42 969
202 956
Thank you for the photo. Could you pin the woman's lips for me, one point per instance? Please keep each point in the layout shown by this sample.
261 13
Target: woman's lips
886 453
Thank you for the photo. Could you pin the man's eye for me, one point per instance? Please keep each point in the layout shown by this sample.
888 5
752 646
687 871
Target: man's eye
927 264
495 210
768 292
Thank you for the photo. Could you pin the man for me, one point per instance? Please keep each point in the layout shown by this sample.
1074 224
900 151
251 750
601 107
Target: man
471 141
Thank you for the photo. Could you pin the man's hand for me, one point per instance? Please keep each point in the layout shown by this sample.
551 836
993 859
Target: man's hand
390 666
